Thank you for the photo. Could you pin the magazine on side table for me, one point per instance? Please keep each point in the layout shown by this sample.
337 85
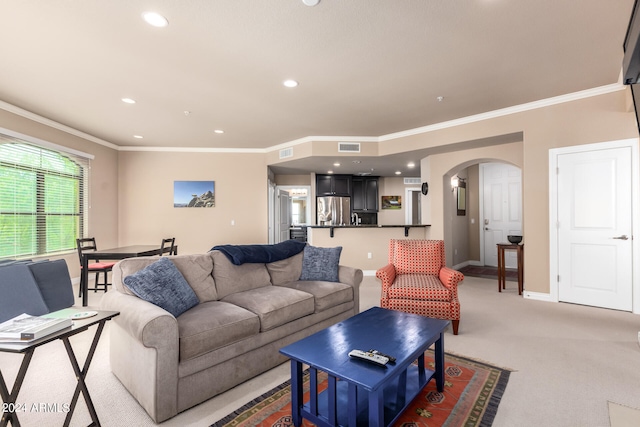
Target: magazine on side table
25 328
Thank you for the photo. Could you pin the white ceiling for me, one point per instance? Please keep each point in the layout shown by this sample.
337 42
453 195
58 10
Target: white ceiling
367 68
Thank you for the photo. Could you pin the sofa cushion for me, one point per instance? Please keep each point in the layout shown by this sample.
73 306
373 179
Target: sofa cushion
196 269
417 256
419 286
162 284
325 294
274 305
285 271
320 263
214 324
231 278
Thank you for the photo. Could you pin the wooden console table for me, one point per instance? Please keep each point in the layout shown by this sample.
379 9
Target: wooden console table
501 265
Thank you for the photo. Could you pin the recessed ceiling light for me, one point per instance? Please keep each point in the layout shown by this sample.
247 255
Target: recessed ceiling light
440 98
329 171
311 2
155 19
137 136
336 164
357 162
218 131
398 172
411 165
290 83
128 100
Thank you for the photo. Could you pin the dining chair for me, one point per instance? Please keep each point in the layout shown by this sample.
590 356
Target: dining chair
168 245
89 245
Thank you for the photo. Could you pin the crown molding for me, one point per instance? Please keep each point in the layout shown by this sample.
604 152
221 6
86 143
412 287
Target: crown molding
322 139
194 149
53 124
588 93
601 90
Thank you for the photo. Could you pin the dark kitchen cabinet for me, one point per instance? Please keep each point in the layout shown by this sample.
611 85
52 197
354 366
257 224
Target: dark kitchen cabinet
364 194
333 185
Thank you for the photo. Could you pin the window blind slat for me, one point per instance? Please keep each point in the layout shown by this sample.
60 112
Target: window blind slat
43 206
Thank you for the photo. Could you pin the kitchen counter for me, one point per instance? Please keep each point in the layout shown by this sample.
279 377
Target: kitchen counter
405 226
364 246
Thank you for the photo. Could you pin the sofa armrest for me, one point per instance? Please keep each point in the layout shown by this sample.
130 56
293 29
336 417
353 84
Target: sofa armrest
349 275
144 352
146 322
353 277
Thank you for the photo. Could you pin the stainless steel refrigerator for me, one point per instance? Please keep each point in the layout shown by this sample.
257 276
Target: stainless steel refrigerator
333 210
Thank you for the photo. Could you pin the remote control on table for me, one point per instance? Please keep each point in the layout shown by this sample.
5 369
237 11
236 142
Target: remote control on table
369 357
391 358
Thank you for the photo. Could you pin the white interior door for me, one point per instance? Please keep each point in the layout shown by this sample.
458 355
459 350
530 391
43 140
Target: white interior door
413 213
502 209
283 215
594 228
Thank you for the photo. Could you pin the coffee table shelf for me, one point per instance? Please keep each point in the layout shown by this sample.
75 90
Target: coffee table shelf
358 392
393 408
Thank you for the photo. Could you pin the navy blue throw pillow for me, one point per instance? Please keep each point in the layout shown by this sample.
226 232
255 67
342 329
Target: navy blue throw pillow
320 263
162 284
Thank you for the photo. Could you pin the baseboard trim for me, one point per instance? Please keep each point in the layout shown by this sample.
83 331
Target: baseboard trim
538 296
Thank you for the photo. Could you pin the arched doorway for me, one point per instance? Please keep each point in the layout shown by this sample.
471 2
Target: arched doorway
493 210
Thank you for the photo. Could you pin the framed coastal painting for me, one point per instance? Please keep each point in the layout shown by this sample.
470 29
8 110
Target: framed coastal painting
194 194
391 202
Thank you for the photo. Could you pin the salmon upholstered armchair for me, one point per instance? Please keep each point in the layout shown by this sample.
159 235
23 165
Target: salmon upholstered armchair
417 281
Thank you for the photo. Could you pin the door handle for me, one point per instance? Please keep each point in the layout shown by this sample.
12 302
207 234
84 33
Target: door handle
623 237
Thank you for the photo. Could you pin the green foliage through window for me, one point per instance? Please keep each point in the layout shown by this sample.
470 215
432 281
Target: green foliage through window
42 199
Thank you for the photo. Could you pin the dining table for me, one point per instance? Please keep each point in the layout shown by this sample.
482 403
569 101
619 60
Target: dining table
114 254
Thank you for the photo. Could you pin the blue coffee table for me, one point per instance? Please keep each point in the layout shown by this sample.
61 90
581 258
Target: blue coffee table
358 392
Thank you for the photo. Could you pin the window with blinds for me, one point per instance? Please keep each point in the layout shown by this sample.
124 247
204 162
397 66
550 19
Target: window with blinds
43 199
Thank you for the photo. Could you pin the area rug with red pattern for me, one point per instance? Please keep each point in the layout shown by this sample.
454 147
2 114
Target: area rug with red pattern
471 396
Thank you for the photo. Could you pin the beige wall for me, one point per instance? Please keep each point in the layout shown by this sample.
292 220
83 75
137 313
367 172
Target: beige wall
293 179
473 212
103 211
596 119
358 242
132 192
458 246
391 186
146 199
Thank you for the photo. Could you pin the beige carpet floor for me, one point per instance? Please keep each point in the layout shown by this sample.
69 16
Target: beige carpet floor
573 366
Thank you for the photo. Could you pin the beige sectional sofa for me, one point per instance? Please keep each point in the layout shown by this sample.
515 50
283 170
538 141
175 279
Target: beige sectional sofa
245 314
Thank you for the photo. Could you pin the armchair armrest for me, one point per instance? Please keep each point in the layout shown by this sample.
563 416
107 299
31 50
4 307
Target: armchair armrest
450 278
387 275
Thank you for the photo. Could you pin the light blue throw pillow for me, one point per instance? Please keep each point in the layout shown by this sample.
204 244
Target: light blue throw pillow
320 263
162 284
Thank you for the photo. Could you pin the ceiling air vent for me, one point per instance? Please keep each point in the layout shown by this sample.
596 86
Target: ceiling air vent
349 147
286 153
411 181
